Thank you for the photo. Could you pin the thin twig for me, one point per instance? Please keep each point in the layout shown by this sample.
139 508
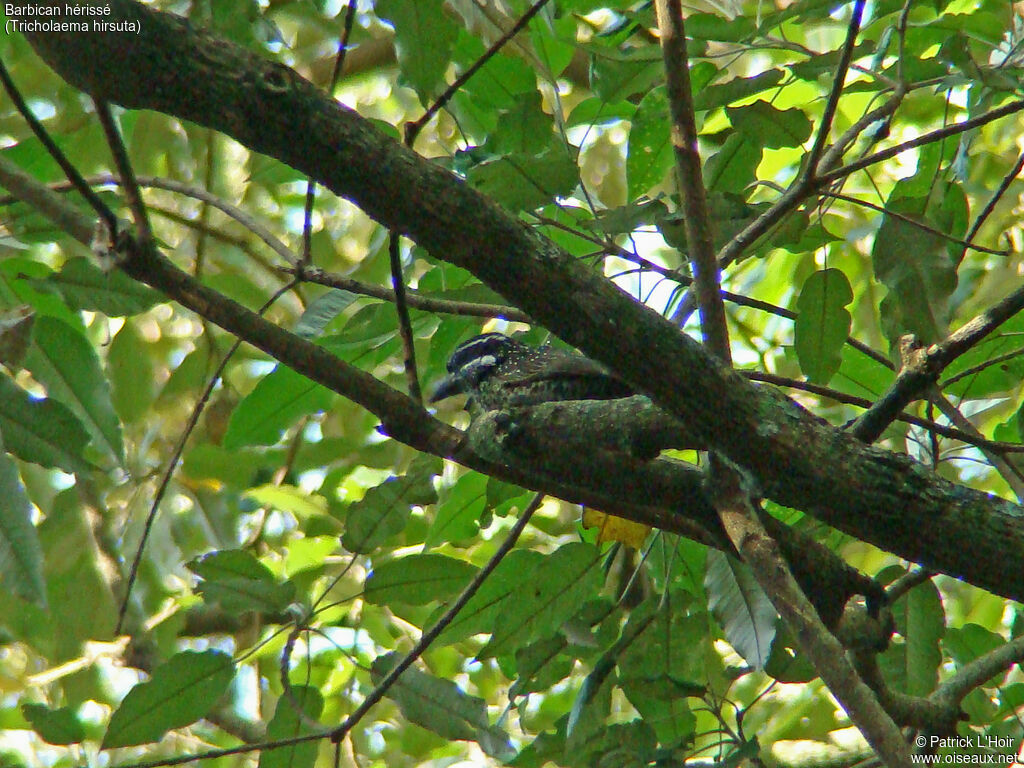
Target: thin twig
172 463
996 197
124 169
839 79
413 299
412 130
339 62
910 221
862 402
927 138
94 200
404 323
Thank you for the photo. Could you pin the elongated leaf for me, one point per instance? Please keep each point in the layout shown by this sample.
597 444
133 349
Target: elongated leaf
322 310
918 266
64 361
280 399
384 510
77 586
180 692
437 705
731 169
740 607
460 510
83 285
238 582
649 154
481 612
417 579
21 557
735 89
921 619
41 431
548 597
288 723
823 324
523 182
130 369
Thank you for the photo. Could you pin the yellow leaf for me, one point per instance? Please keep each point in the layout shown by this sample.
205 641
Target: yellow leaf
613 528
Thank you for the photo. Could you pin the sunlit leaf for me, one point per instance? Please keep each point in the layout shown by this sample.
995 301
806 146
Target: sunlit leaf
740 607
21 558
181 690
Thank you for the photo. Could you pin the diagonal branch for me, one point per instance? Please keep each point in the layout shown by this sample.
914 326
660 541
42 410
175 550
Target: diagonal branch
925 368
790 455
838 80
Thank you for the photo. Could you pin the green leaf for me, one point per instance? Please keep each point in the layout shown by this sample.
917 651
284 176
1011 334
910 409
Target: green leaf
822 324
524 128
712 26
732 168
238 582
15 335
649 153
54 726
287 723
769 126
481 612
21 557
132 379
595 111
740 607
664 659
288 498
971 641
733 90
435 704
84 286
77 585
548 597
64 362
41 430
424 38
615 78
460 510
916 266
523 182
180 692
384 510
278 402
417 579
921 620
322 310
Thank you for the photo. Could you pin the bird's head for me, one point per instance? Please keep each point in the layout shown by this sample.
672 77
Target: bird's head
472 361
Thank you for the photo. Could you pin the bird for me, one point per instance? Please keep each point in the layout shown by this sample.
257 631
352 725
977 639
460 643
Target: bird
499 372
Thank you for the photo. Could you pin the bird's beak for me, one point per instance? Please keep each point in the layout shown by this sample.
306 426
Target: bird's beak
446 387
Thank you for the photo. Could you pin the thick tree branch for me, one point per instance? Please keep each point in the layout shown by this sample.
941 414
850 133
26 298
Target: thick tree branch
790 455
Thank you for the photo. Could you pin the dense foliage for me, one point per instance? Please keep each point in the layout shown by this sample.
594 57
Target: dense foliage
204 551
